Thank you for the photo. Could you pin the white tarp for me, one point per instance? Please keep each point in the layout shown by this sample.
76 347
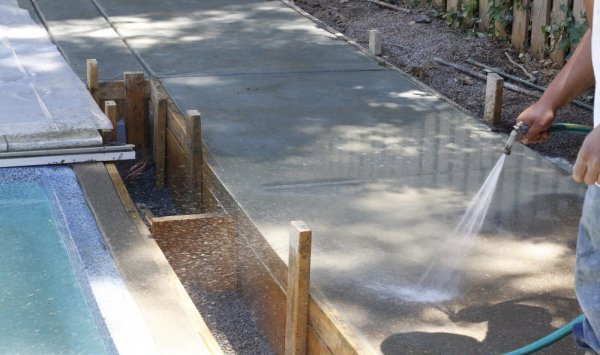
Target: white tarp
38 90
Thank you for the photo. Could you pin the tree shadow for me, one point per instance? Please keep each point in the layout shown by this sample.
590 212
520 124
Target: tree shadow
510 324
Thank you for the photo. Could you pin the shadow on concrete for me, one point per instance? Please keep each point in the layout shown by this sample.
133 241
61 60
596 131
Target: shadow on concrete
511 325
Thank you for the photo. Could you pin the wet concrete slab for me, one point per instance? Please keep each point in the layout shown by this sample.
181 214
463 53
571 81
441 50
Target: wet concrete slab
81 32
302 126
382 170
227 37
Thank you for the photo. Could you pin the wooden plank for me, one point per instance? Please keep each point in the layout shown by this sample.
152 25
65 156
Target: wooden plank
322 319
92 79
520 26
110 110
492 112
557 16
194 163
201 248
316 346
175 170
176 123
298 288
264 296
120 187
159 103
453 5
135 110
540 17
115 90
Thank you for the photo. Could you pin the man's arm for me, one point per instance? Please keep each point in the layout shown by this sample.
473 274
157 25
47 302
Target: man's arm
575 77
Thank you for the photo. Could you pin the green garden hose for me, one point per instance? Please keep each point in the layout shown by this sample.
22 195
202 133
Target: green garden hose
570 128
548 339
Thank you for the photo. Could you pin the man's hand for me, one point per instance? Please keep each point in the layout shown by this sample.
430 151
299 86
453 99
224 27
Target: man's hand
587 166
538 117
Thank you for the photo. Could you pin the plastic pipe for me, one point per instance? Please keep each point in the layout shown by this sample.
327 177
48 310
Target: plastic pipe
548 339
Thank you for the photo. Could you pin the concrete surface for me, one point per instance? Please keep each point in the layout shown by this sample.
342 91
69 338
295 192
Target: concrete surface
303 126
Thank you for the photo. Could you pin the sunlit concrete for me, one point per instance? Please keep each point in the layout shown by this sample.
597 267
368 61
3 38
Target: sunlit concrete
302 126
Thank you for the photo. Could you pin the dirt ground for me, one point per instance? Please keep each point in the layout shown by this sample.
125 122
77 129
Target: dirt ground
411 46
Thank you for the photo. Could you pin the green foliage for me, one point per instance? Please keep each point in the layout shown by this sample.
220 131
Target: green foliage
565 34
501 16
466 17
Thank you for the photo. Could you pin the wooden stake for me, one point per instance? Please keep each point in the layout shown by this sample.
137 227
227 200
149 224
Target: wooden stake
110 110
296 323
194 163
159 138
135 111
492 112
484 15
92 79
375 42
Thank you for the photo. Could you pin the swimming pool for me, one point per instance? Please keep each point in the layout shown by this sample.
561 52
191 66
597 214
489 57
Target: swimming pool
61 292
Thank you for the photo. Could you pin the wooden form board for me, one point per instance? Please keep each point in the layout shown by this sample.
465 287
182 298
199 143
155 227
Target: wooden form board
157 116
298 284
262 279
92 79
135 109
540 17
201 248
260 273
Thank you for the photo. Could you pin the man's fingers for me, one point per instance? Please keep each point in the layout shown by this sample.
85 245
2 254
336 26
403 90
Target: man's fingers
579 170
591 173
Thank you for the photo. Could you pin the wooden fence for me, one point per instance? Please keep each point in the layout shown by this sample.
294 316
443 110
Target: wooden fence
529 17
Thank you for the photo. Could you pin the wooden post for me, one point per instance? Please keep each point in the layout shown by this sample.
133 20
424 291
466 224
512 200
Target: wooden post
92 79
540 17
492 112
135 111
194 163
159 138
558 15
520 26
110 110
375 42
296 317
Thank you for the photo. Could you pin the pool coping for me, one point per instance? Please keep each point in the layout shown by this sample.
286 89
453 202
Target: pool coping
117 318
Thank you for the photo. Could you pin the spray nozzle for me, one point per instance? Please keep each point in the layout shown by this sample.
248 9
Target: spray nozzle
518 131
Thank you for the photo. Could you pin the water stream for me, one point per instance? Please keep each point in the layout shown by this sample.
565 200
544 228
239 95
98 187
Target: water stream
441 281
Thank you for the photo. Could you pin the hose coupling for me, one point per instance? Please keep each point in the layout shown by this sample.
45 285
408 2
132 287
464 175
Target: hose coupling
518 131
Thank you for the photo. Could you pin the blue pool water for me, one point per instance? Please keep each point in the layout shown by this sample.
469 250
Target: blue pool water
43 309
